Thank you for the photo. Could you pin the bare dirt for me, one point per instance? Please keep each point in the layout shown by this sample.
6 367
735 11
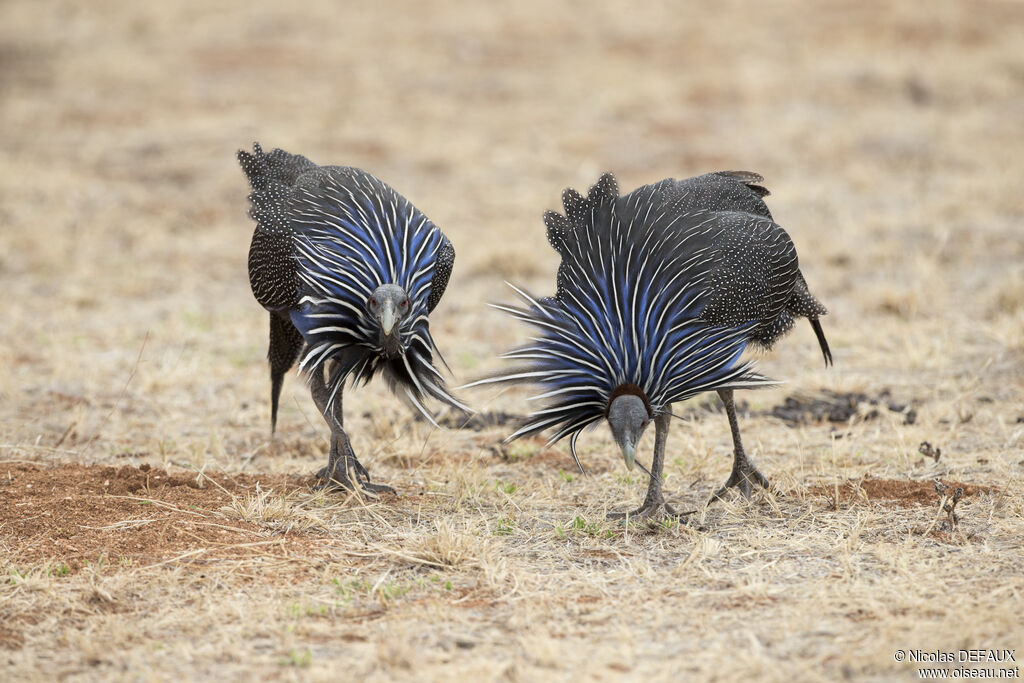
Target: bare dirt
73 515
902 493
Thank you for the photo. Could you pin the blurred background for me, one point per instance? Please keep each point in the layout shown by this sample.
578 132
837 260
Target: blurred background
889 134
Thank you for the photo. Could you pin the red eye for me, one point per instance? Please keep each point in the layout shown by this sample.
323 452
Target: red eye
373 303
405 303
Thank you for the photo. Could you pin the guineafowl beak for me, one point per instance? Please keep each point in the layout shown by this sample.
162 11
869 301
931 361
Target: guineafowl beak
387 317
629 453
627 417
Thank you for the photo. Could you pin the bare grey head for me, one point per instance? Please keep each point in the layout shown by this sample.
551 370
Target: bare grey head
628 417
388 304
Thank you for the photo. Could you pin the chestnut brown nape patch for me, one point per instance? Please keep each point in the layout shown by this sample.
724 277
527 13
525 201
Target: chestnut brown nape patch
628 388
900 492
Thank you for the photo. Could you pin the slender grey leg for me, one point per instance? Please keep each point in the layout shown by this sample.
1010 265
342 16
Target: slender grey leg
744 474
343 467
332 475
654 502
654 495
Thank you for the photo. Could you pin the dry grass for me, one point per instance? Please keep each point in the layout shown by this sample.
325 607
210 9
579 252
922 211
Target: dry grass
888 136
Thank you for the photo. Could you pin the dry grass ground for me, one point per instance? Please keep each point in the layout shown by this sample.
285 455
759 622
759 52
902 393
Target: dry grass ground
150 528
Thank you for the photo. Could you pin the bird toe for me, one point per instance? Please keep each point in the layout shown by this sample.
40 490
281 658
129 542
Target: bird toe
744 479
653 512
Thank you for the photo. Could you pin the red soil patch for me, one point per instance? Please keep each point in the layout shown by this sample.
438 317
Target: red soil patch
134 516
902 492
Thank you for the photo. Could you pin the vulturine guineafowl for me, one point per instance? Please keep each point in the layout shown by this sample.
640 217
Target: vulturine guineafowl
659 292
349 271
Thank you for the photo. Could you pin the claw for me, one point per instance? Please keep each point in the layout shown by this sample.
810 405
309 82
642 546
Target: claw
651 510
338 480
377 489
743 477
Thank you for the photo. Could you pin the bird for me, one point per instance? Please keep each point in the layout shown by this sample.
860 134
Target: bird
349 271
658 294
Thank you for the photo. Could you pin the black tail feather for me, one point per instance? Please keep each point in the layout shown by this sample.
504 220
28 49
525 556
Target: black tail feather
276 382
748 178
822 342
285 345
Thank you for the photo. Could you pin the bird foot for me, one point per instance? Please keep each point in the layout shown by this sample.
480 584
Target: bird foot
377 489
744 476
340 481
652 510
